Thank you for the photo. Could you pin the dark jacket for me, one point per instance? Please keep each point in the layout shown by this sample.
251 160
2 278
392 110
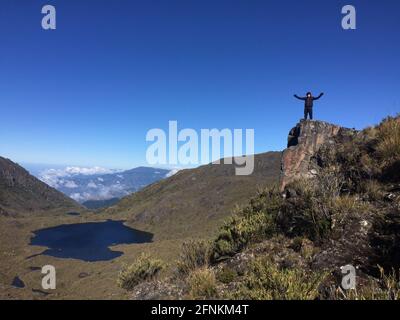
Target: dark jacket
308 101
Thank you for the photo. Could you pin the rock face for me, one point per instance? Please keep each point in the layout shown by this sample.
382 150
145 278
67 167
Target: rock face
304 141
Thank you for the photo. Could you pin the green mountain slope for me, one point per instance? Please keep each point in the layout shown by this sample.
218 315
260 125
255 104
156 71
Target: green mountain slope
21 193
194 201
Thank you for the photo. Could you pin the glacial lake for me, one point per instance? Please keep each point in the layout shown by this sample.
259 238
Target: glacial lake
87 241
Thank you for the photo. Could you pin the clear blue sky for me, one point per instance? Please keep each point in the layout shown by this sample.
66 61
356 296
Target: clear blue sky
88 92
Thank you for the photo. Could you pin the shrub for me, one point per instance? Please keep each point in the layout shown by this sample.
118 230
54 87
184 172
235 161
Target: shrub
328 183
303 246
194 254
240 231
305 215
388 140
144 268
347 207
265 281
202 284
226 275
297 244
372 189
250 224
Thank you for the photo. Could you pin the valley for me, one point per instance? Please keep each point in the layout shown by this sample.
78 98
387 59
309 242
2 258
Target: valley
330 199
191 204
76 279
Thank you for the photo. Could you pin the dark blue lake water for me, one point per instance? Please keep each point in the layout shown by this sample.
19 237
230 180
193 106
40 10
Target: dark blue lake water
88 241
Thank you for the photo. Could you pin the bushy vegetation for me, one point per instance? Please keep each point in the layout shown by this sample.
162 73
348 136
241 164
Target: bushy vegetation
388 140
314 207
252 223
307 213
372 154
340 210
194 254
202 284
265 281
144 268
372 190
226 275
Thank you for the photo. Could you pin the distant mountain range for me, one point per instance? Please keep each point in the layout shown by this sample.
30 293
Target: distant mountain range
96 187
98 204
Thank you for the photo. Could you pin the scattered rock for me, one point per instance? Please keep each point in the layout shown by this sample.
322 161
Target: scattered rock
158 290
18 283
40 292
83 275
390 197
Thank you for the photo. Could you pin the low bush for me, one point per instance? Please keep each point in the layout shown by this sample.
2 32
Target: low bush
144 268
202 284
388 140
194 254
265 281
372 189
226 275
305 215
250 224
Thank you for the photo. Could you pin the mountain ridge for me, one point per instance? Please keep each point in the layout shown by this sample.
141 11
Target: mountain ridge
196 199
22 193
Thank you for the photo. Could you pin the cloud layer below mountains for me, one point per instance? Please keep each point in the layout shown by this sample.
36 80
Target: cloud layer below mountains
97 183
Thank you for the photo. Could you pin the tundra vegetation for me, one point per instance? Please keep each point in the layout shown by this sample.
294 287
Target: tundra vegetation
292 246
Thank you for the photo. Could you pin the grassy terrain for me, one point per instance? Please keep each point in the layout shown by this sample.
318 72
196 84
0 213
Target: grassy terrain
75 279
195 202
192 203
293 247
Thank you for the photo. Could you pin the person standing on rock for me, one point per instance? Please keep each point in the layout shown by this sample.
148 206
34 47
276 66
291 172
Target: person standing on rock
308 104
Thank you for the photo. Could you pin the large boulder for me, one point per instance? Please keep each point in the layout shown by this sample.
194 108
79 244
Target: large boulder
304 141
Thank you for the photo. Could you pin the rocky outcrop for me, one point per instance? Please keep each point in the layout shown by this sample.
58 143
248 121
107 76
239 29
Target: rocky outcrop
304 141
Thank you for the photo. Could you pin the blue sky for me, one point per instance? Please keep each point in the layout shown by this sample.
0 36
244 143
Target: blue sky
88 92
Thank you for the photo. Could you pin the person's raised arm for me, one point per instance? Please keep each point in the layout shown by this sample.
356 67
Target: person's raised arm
300 98
320 95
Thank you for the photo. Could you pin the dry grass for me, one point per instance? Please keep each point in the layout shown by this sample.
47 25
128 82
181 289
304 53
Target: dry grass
387 288
144 268
265 281
388 136
194 254
202 284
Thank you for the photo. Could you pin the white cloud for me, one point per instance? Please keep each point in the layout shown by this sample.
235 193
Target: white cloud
92 185
80 184
70 184
54 177
87 171
172 172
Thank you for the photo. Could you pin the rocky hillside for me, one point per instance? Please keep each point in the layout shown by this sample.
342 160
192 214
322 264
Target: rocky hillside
196 200
338 204
21 193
